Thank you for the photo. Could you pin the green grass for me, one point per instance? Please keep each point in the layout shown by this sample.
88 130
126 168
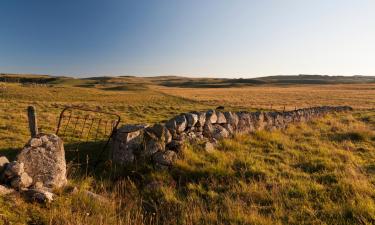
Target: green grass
321 172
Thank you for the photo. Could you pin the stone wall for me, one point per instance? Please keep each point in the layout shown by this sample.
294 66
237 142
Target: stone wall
160 143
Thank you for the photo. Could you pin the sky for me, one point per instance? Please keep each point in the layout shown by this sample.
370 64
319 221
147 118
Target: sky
197 38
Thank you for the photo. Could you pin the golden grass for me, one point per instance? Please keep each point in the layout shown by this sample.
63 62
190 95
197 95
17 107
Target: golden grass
360 96
322 172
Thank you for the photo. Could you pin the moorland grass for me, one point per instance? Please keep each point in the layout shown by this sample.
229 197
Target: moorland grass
321 172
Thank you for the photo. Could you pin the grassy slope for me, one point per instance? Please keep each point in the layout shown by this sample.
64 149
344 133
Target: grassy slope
321 172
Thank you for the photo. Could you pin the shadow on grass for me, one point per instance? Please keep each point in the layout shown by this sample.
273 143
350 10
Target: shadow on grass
10 153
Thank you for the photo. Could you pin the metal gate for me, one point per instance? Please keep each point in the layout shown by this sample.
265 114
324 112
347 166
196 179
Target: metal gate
86 134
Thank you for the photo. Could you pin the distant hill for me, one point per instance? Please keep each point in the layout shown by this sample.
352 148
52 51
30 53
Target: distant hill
131 82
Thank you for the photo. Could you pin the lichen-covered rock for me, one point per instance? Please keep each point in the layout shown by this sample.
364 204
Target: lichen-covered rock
46 162
127 142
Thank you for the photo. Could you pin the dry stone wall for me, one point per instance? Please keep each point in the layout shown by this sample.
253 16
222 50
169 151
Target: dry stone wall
160 143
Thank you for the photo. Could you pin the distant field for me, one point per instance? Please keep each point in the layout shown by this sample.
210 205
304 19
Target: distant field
361 96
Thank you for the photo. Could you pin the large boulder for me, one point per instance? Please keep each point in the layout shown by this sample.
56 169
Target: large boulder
44 160
127 142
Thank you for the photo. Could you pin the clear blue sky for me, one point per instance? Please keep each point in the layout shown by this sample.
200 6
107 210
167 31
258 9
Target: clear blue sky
217 38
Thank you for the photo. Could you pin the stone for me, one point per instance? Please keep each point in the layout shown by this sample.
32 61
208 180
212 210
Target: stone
208 130
22 181
36 142
45 164
13 169
5 190
3 162
175 146
161 133
181 123
201 119
39 195
211 116
221 118
164 158
245 124
229 128
127 142
219 132
192 119
232 119
151 147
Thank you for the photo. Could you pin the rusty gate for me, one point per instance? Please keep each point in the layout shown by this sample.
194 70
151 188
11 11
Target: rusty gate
86 134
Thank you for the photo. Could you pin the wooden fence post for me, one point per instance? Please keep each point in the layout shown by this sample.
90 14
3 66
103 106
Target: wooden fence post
33 123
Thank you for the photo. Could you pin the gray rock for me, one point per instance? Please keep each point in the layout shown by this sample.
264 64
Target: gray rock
127 142
219 132
45 164
181 123
175 146
232 119
192 119
220 118
22 181
160 132
229 128
39 195
201 119
13 169
164 158
211 116
35 142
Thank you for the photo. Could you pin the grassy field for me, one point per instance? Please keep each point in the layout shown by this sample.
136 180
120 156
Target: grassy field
322 172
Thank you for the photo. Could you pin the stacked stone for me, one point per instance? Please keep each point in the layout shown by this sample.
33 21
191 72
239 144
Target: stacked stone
162 142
